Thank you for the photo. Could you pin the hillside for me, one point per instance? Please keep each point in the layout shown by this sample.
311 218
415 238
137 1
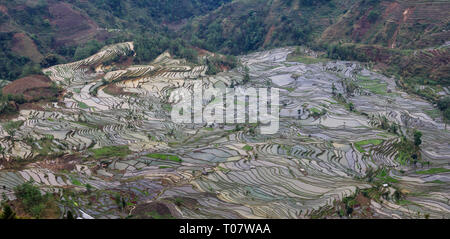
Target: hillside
406 39
37 33
109 146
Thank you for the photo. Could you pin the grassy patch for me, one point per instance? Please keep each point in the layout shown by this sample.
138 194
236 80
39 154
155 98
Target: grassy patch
384 176
305 59
375 86
34 202
83 105
402 158
434 114
12 125
359 145
434 171
76 182
247 148
173 158
164 167
437 182
111 151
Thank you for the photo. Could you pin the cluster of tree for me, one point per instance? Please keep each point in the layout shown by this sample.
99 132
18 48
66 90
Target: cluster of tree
248 36
161 10
149 47
216 63
7 212
306 2
13 66
410 150
33 201
86 50
345 52
8 103
444 105
33 17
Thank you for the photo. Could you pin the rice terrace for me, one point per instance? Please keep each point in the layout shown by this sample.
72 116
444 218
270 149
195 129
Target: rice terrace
93 135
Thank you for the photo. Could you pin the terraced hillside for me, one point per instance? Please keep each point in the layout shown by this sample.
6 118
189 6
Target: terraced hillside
109 149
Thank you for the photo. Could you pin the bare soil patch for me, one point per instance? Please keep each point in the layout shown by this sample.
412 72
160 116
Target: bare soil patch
34 87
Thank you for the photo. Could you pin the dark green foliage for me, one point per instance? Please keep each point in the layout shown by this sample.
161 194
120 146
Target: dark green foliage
32 199
373 16
7 212
351 107
246 76
69 215
86 50
346 52
216 63
50 60
8 103
417 138
444 105
161 10
111 151
248 37
148 48
13 66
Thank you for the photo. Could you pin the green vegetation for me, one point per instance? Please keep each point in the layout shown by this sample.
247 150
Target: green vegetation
305 59
409 151
375 86
9 103
444 105
83 105
173 158
111 151
359 145
11 126
247 148
383 175
14 66
33 201
76 182
7 212
434 171
373 16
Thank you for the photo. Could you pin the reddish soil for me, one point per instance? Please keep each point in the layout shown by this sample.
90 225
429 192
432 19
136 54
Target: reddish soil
32 87
72 26
24 46
112 89
361 28
3 10
31 106
66 162
269 36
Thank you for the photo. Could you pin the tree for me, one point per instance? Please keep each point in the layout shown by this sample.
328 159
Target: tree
8 213
333 89
417 138
373 16
69 215
89 188
246 75
2 152
351 107
32 199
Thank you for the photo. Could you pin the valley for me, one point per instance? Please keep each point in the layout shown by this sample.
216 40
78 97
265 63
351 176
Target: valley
107 148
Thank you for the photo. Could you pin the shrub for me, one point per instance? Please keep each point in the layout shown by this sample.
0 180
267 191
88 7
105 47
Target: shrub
33 201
